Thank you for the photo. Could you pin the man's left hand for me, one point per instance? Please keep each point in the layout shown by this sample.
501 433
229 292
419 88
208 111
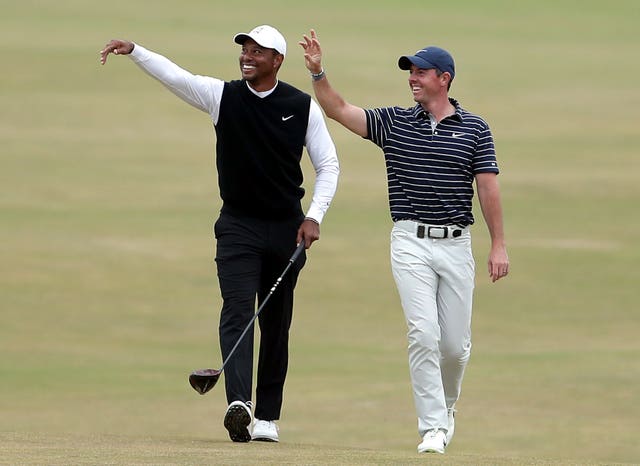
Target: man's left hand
308 232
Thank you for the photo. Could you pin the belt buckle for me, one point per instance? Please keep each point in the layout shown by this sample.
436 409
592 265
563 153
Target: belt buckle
437 232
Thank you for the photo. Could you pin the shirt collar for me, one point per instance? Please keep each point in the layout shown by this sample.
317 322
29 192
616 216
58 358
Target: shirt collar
418 111
262 94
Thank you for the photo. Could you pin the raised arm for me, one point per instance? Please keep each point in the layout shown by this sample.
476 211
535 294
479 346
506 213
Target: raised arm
336 108
202 92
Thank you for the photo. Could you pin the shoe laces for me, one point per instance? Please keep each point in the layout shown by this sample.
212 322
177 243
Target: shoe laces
432 433
266 424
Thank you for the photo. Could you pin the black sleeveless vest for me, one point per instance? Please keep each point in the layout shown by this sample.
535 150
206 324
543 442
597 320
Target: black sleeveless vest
258 150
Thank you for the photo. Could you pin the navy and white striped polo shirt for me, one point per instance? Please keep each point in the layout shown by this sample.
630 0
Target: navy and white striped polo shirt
430 173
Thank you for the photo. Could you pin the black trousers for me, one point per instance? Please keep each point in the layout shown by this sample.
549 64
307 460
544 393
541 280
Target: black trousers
250 256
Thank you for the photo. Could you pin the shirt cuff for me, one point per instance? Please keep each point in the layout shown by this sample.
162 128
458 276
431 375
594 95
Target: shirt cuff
315 213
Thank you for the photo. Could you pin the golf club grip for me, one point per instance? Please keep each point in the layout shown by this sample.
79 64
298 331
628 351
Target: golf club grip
296 253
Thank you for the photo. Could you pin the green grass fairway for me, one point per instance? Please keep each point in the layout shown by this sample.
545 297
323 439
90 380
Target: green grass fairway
108 290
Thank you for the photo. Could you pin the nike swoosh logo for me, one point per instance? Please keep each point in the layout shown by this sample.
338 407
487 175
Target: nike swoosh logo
456 135
287 118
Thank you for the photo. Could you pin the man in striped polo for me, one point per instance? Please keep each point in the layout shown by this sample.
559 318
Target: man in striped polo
433 153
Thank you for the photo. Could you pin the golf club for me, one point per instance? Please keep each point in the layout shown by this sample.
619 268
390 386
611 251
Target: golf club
204 380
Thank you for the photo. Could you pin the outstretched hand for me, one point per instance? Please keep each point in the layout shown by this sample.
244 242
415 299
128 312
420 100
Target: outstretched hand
312 52
117 47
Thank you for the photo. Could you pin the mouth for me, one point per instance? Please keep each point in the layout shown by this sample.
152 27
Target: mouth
247 68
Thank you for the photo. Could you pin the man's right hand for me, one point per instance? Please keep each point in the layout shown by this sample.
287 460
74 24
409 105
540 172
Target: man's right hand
312 52
117 47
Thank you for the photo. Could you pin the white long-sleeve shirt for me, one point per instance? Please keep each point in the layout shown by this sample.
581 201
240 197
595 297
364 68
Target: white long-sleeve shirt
205 93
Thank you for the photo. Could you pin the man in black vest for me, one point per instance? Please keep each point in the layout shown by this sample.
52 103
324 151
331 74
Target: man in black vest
262 126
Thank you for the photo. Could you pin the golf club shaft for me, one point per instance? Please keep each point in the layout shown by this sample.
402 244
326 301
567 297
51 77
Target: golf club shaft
295 255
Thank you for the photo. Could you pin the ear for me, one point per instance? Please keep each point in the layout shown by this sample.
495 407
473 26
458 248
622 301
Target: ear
277 61
445 78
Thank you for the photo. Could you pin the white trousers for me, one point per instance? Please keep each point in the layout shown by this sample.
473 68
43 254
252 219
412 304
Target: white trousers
435 280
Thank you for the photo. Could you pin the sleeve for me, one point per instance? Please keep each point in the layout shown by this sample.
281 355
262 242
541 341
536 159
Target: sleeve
484 159
379 121
202 92
324 158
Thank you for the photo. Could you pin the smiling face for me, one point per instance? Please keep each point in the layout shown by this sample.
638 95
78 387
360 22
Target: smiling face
259 66
427 84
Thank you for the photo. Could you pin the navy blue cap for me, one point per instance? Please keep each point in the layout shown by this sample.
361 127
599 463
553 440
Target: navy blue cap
427 58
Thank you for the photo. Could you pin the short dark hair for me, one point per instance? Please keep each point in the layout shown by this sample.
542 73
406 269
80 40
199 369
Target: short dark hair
440 73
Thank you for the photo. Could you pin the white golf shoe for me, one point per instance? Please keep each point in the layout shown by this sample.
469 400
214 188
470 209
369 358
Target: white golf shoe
265 431
433 441
237 420
451 413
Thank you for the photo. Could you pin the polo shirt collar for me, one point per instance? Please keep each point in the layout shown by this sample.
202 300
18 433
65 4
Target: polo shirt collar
418 111
458 115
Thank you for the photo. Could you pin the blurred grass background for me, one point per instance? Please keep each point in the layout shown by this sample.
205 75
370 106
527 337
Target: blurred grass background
108 292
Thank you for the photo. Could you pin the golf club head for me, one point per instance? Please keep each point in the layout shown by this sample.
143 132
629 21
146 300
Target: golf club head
204 380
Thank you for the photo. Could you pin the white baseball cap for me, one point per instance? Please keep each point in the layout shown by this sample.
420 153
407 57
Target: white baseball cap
265 36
